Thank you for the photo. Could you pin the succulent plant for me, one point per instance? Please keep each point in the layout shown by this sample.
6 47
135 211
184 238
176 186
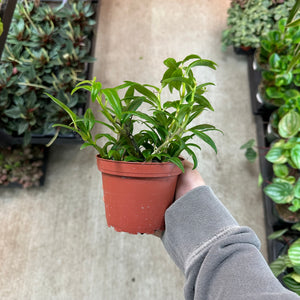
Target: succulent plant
47 49
21 165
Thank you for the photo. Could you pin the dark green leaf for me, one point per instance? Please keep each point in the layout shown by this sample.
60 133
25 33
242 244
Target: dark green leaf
248 144
277 234
251 154
205 138
177 162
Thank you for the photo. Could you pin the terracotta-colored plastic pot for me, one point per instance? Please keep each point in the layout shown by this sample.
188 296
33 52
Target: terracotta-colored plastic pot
136 195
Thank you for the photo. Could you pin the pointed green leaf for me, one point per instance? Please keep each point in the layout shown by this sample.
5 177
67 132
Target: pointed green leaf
277 234
205 138
113 98
176 161
64 107
248 144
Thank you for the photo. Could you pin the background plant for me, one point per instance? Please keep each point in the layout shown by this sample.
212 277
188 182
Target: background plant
249 20
168 128
47 48
21 165
288 264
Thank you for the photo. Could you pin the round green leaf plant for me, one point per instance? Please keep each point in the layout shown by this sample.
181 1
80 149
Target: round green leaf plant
288 264
168 126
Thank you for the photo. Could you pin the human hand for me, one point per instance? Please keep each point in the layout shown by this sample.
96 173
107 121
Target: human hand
187 181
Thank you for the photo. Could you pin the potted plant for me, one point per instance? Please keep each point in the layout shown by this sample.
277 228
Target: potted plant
48 46
249 20
287 265
140 167
285 187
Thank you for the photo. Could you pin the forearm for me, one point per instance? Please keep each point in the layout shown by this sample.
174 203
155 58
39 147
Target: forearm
220 259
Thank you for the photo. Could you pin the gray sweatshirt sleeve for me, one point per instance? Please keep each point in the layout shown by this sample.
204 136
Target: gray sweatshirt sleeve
219 258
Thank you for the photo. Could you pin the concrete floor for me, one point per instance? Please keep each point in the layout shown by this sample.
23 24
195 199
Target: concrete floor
54 243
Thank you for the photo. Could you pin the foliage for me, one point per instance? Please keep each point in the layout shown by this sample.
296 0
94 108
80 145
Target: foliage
248 21
168 125
21 165
288 263
47 48
274 57
285 151
250 153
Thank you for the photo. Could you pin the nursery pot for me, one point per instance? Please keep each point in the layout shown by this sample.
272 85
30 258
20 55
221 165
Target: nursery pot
136 195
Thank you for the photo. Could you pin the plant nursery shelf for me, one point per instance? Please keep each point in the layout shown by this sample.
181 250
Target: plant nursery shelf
261 115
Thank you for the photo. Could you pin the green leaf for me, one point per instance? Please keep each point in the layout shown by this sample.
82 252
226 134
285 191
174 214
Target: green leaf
105 124
14 112
248 144
274 61
276 156
22 126
293 11
281 171
203 127
294 253
277 234
89 119
202 62
280 192
170 63
295 155
296 226
289 125
84 145
65 108
191 56
67 127
294 61
295 205
113 98
294 23
251 154
141 115
205 138
108 136
279 265
176 161
144 91
291 284
260 180
174 80
202 101
274 92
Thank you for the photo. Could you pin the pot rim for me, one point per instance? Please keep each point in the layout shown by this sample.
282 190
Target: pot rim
137 169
